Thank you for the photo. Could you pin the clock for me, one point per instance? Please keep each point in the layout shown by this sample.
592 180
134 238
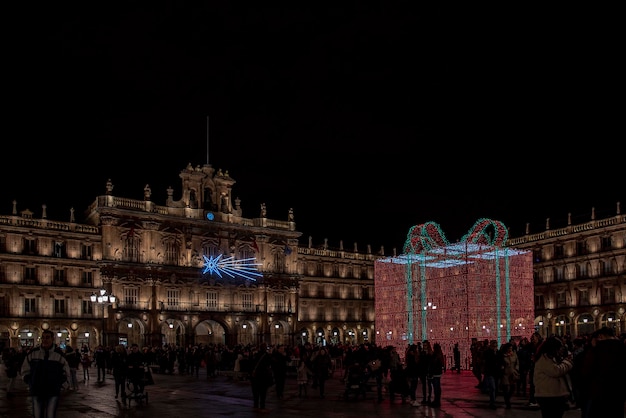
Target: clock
210 216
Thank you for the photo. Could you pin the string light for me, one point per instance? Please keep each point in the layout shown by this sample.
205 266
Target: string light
245 268
451 293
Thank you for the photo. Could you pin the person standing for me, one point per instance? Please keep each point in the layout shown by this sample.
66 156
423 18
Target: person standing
322 365
492 369
477 366
12 363
73 359
119 364
260 377
101 363
303 379
85 361
604 369
425 359
136 369
45 369
551 389
457 358
535 341
524 357
411 359
279 367
435 372
510 372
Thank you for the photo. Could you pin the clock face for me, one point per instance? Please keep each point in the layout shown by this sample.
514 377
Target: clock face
210 216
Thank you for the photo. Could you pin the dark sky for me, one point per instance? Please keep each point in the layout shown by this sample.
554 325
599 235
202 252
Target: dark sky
365 120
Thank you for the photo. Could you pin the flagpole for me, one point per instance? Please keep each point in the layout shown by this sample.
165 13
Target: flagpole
207 140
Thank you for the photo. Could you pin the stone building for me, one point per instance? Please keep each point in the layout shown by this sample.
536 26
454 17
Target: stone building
579 272
152 259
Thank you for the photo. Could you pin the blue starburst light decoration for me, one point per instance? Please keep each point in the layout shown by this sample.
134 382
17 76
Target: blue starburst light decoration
245 268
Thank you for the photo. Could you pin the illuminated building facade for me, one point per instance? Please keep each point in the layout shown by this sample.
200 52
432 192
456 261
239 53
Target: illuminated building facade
452 293
579 271
193 270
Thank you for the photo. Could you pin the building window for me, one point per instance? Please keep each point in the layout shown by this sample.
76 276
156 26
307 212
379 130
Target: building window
606 243
246 253
4 306
279 261
87 307
87 278
131 296
173 297
59 306
210 249
581 271
86 252
558 251
29 306
30 246
608 295
30 273
171 252
131 247
211 300
561 300
59 276
246 301
559 274
583 297
59 249
279 302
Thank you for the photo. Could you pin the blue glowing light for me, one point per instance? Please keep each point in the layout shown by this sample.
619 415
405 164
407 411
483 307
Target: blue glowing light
245 268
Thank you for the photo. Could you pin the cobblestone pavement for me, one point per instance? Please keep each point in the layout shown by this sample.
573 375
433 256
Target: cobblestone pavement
190 396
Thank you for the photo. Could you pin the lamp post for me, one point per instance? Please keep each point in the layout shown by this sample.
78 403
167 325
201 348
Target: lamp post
103 299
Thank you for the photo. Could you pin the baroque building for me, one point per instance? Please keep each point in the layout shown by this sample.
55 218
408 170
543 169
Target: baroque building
156 262
579 275
153 258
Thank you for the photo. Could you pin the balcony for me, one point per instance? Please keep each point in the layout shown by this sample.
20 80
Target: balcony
205 307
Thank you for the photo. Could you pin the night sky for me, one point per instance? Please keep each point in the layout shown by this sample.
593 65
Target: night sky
365 120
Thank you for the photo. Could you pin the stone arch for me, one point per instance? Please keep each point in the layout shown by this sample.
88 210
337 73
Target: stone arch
246 334
210 332
279 332
304 336
133 334
173 332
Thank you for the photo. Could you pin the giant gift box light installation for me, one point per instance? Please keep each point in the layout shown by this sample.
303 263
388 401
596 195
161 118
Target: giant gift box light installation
451 293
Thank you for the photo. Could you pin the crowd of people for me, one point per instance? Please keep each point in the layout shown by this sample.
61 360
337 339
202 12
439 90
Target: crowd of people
552 374
555 374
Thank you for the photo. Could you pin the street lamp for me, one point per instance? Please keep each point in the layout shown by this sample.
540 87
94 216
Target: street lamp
104 299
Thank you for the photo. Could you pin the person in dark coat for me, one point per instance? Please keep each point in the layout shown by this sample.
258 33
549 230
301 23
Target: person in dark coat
605 370
322 365
261 377
457 358
73 359
119 364
279 368
492 368
12 362
100 357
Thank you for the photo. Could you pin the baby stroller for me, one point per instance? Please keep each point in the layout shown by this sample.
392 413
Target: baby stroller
356 382
137 380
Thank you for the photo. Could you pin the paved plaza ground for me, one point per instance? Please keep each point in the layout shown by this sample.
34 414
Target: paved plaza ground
188 396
